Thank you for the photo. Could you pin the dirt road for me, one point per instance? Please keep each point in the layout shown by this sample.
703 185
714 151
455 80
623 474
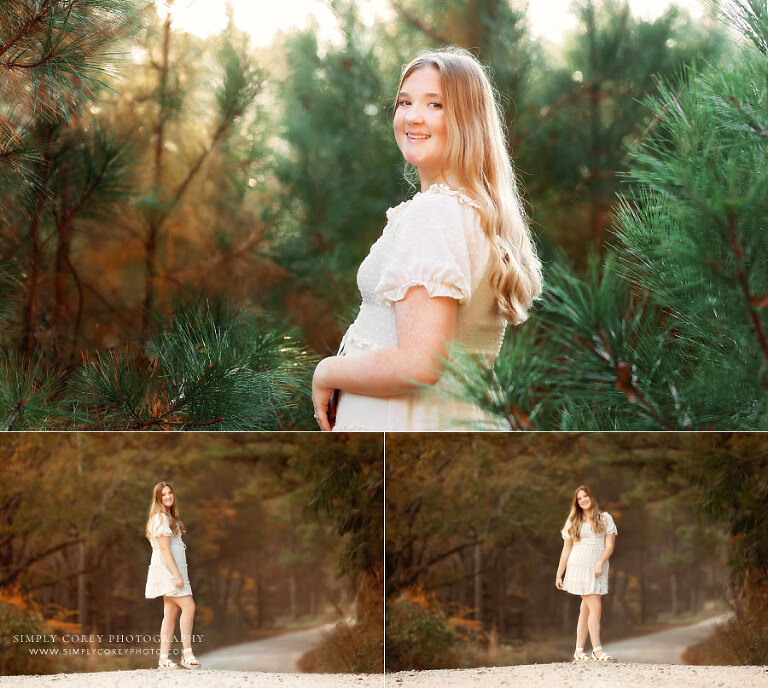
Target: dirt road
278 654
664 647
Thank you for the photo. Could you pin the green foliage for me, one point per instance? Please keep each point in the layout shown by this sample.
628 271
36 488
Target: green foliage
343 169
750 19
209 367
349 488
92 174
609 64
596 355
669 331
15 657
29 391
53 51
735 482
241 83
418 636
693 233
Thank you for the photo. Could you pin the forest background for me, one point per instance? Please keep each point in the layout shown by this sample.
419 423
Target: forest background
283 532
473 543
181 219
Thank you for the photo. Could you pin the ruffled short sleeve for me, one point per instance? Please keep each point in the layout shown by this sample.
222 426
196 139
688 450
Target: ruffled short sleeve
160 525
564 532
610 526
430 248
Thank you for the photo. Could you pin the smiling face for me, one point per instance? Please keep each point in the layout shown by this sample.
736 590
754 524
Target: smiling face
420 124
584 500
167 497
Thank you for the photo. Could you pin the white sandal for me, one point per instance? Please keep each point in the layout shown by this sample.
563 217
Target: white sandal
165 664
188 660
604 656
580 656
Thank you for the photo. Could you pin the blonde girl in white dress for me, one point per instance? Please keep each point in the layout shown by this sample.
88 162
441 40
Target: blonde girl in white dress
168 577
452 266
589 537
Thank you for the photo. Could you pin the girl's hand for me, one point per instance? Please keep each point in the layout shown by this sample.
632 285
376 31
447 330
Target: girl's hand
321 393
598 570
559 582
178 582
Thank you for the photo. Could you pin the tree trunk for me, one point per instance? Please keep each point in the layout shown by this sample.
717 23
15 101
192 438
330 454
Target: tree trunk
153 231
594 134
292 595
61 313
30 303
82 589
477 579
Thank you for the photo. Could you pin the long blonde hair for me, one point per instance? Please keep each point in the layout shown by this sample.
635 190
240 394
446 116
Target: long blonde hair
576 518
476 153
157 507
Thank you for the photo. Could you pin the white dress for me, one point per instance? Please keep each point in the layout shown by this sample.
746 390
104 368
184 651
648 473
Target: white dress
159 576
434 240
580 570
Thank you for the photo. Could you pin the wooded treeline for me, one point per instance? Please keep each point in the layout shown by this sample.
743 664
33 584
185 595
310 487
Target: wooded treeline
182 219
269 536
473 541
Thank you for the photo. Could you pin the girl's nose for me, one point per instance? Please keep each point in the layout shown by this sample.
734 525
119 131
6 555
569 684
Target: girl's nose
414 114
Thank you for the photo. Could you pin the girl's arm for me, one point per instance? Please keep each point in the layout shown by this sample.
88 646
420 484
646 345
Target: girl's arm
567 547
424 324
164 542
610 544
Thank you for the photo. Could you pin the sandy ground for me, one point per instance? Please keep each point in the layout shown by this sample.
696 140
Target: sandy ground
563 675
259 661
591 675
278 654
202 678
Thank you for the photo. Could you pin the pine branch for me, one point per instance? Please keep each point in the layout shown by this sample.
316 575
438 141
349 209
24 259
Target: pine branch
72 212
45 59
10 422
25 28
741 276
80 303
755 126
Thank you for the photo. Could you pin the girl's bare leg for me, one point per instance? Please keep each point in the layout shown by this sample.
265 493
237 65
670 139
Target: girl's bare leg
187 604
582 626
170 612
595 605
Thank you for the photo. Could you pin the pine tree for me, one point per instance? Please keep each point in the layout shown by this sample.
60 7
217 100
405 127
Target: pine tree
239 83
76 190
608 65
668 330
341 173
56 166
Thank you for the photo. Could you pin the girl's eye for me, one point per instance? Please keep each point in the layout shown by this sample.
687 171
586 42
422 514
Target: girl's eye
402 101
436 105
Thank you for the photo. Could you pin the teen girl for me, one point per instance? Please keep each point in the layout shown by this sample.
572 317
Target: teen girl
589 536
167 576
453 265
